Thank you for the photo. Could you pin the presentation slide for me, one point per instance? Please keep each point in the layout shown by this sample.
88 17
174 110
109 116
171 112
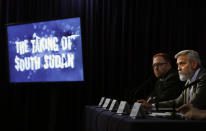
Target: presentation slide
48 51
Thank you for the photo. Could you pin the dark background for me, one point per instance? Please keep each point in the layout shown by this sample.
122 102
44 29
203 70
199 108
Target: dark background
119 39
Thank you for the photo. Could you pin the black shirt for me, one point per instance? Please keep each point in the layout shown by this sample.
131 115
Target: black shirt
166 88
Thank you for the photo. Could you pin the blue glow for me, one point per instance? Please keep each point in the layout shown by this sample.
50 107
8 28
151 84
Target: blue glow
49 51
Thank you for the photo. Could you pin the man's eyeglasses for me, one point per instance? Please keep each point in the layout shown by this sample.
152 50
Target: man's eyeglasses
158 65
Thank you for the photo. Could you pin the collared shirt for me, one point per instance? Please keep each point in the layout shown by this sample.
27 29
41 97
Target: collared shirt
192 80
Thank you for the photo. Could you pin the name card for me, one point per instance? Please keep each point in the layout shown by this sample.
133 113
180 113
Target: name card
101 101
113 105
107 103
123 107
137 111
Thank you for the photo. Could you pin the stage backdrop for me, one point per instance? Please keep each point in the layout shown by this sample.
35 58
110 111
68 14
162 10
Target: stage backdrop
119 38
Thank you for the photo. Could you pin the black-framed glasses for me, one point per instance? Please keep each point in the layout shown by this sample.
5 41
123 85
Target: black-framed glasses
158 65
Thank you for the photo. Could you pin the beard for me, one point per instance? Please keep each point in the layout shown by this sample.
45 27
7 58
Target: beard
185 76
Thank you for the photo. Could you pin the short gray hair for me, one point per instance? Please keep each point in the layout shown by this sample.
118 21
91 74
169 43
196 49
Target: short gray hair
191 55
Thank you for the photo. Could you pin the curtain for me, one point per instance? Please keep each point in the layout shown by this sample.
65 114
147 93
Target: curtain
119 38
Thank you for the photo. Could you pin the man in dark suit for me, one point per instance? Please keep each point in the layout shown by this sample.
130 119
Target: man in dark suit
191 71
167 87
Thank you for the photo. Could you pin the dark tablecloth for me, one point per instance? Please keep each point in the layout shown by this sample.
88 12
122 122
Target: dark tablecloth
98 119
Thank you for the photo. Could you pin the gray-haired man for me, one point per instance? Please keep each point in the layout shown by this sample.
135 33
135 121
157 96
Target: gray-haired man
191 71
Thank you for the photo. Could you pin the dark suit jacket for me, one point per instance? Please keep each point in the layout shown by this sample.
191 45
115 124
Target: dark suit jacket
167 88
198 95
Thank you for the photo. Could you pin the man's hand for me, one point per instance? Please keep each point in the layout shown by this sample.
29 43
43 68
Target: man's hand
191 112
185 108
145 104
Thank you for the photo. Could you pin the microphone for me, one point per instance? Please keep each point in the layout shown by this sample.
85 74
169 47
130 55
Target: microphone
174 113
135 92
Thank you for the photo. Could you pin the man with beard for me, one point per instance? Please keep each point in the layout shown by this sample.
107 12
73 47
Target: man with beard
166 87
191 71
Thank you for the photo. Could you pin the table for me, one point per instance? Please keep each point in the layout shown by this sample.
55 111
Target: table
98 119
